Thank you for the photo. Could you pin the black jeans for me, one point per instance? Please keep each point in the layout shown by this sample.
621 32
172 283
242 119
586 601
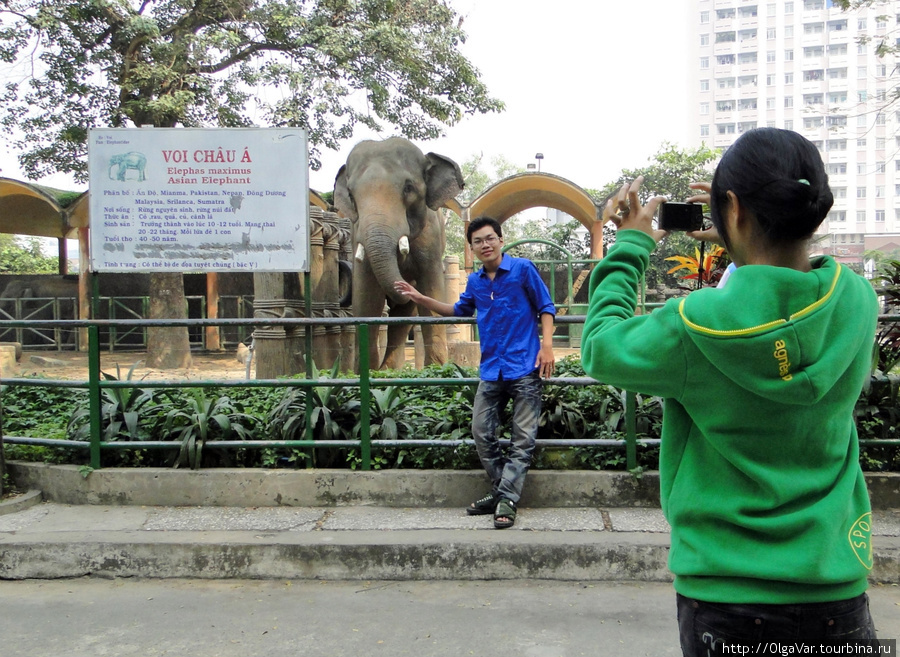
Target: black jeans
709 629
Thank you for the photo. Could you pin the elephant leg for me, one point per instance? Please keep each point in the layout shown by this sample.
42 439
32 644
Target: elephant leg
434 335
395 353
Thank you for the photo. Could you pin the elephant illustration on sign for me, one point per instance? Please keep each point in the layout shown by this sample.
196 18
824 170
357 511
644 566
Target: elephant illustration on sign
126 161
391 192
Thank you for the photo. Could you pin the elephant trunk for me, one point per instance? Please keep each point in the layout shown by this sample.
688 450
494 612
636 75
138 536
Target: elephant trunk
382 252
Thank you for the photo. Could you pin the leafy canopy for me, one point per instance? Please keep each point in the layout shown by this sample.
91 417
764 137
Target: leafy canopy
322 65
24 256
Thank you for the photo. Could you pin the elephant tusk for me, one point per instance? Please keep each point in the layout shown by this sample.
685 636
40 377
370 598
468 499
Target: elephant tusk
360 252
404 245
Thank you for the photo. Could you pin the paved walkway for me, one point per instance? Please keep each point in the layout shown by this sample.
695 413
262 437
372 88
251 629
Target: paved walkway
50 540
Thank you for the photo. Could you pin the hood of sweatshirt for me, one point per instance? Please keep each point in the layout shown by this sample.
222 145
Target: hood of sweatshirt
791 347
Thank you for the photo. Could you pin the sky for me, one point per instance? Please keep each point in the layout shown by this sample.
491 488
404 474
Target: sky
594 86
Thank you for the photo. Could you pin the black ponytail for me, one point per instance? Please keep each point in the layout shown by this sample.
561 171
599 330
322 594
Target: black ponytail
779 176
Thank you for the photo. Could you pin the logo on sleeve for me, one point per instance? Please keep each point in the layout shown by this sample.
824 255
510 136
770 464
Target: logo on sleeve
784 362
861 540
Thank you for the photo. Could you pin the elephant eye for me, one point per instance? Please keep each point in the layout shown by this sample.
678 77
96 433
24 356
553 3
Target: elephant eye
409 188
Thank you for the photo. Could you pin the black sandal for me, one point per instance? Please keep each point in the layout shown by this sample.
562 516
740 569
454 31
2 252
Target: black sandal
484 506
506 509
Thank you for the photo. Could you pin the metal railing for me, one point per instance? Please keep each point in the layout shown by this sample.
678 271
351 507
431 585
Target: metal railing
365 382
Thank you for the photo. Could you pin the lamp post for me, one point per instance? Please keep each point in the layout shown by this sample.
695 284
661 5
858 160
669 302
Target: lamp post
539 157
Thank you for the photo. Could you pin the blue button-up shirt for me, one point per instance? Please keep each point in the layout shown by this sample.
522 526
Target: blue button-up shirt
508 313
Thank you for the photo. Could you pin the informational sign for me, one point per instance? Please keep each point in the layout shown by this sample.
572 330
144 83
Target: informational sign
194 200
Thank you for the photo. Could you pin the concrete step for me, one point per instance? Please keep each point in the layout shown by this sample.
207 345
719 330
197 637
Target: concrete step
352 543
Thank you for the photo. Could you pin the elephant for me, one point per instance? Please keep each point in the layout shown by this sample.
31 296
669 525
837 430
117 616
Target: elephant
126 161
391 192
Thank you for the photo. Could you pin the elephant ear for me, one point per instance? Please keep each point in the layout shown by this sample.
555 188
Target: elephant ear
343 200
443 180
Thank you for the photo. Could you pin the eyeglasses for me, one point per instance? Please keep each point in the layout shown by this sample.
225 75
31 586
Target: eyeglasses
478 243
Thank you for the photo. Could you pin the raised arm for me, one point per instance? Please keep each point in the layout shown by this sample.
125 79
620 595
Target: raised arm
441 308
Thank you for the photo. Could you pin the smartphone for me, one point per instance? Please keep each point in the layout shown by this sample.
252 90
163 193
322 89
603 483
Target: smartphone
680 216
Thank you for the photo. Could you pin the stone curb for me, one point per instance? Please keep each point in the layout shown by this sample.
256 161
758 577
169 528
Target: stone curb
22 502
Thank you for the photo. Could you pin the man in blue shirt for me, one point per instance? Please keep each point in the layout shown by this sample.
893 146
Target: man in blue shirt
508 296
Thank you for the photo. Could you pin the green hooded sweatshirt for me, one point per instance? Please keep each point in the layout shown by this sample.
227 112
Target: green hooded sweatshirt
759 462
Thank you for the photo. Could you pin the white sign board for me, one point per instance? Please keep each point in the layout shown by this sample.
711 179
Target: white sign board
195 199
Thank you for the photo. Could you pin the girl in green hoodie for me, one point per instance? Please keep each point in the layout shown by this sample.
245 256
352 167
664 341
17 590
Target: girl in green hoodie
759 463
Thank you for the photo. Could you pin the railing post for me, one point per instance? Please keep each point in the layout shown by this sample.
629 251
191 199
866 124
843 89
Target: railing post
630 430
365 397
94 393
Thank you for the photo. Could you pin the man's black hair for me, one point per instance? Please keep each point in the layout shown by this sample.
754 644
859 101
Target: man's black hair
481 222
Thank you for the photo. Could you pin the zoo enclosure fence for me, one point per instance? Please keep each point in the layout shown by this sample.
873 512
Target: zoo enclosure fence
364 332
96 383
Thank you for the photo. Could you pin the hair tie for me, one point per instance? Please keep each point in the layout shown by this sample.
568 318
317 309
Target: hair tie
804 181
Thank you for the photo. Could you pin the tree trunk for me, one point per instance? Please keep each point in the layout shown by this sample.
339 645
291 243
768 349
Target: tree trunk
277 352
168 347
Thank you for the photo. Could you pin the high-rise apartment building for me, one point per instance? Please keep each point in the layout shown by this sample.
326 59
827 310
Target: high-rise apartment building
801 65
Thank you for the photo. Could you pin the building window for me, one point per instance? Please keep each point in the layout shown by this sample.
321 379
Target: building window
726 37
813 99
879 216
704 108
879 189
837 168
747 58
813 51
789 78
725 128
812 122
860 23
788 31
836 145
704 17
770 33
726 83
743 126
788 55
725 60
860 219
813 75
879 143
836 121
704 39
788 7
722 14
837 26
861 142
704 131
770 103
747 81
860 192
836 49
747 104
788 101
813 5
704 62
837 73
770 8
862 96
839 192
881 70
837 97
837 215
861 168
770 80
813 28
770 56
704 85
725 106
789 124
879 168
879 118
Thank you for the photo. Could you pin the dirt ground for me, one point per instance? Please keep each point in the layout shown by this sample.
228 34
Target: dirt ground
74 365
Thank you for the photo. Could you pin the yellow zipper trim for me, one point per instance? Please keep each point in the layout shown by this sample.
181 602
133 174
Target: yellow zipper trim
762 327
